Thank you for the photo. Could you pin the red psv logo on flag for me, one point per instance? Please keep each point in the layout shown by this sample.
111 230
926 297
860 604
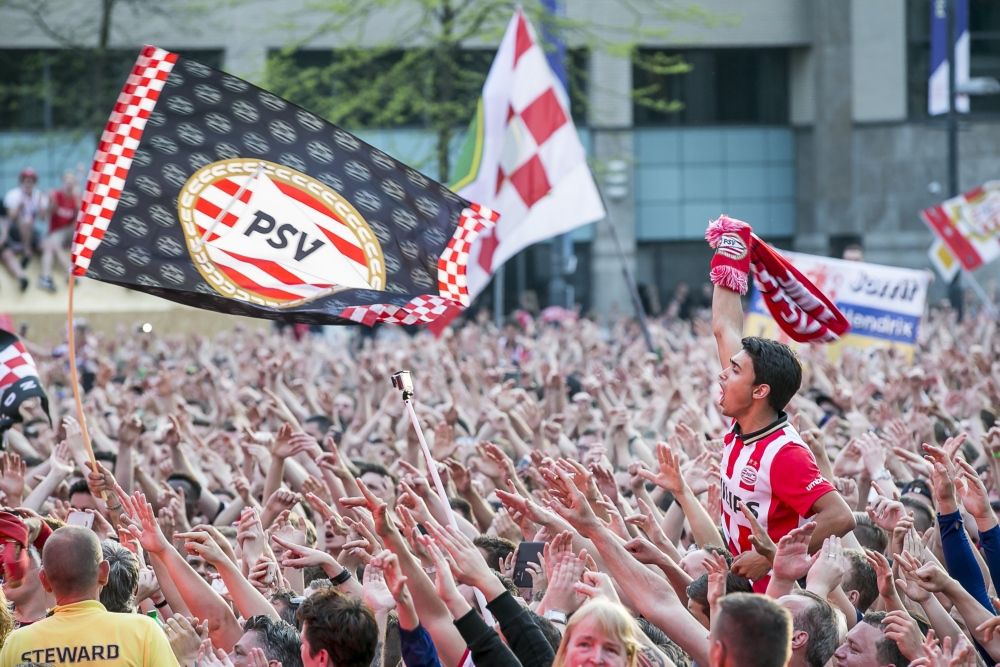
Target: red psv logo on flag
265 233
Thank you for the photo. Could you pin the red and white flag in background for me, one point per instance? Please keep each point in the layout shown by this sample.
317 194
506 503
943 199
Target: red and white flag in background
523 156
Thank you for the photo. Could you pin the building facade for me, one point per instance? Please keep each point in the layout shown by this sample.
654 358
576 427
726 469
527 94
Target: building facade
807 118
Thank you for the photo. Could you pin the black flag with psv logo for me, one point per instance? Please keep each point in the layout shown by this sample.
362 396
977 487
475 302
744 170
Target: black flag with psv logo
211 192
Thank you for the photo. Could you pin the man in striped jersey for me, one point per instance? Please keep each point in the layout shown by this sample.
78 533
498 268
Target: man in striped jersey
767 471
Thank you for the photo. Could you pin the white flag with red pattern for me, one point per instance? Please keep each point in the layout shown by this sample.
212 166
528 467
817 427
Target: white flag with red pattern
523 156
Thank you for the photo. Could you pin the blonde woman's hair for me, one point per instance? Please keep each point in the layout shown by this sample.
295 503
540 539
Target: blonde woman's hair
6 618
614 620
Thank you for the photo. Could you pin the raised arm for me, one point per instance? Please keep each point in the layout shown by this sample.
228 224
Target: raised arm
730 273
727 323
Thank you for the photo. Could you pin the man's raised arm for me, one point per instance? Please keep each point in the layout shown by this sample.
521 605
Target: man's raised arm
730 273
727 323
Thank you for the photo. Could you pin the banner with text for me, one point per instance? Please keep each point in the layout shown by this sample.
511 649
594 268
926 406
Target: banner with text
884 304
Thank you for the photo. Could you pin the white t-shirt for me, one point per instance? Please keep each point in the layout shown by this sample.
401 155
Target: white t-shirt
20 204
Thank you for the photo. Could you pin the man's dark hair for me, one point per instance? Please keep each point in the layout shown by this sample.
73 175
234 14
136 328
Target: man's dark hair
496 548
367 466
861 578
886 649
869 535
725 553
775 365
462 506
755 630
279 640
118 595
190 481
79 486
322 421
286 609
819 621
344 627
923 516
697 590
664 643
109 457
549 630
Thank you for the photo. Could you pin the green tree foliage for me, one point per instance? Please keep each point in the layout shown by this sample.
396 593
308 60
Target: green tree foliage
435 80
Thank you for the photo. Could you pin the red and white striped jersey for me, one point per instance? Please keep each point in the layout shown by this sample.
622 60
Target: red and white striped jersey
774 474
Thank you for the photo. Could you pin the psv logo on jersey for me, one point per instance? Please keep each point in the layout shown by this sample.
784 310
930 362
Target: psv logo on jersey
262 232
749 476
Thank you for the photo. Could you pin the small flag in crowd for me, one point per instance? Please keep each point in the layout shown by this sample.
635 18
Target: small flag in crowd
968 229
211 192
523 156
18 380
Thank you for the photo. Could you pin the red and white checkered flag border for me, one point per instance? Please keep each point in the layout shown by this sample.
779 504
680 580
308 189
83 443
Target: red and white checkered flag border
15 364
116 150
453 282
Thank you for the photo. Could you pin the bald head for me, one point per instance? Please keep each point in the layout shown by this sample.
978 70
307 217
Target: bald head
71 562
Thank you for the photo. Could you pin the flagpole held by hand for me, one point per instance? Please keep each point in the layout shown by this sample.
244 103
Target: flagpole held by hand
74 380
401 380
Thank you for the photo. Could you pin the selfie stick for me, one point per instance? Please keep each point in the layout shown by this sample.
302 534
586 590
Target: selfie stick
401 380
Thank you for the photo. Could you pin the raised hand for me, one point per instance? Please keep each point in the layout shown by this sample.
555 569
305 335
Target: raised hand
792 560
185 637
596 584
299 556
12 473
200 543
384 525
828 570
717 569
902 629
974 495
759 538
669 476
374 590
886 513
144 527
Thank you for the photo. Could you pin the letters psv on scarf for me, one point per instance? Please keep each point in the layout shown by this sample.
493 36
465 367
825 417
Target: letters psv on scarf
211 192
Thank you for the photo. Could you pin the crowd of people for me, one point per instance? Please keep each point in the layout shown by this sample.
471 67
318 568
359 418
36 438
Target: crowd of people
38 225
262 499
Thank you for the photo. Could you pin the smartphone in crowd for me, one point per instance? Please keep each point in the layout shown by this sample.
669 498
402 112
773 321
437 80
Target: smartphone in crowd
527 552
77 518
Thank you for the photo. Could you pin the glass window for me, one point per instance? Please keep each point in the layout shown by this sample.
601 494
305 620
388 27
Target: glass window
63 89
722 86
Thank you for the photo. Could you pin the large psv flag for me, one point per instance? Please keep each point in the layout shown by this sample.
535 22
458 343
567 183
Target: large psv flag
211 192
943 47
523 156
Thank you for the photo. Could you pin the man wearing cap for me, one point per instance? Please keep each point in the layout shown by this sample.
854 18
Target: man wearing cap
80 629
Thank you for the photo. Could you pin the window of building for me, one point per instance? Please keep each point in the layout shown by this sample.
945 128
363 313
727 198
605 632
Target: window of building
52 89
984 53
722 87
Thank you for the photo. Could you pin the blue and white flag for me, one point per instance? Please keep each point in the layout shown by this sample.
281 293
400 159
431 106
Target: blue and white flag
937 83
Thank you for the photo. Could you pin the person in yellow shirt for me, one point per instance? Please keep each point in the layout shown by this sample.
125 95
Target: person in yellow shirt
79 628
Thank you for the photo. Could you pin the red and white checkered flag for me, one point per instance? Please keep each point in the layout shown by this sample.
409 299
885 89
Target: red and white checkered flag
18 379
530 165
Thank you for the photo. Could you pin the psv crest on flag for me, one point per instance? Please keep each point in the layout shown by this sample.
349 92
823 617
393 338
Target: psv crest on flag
209 191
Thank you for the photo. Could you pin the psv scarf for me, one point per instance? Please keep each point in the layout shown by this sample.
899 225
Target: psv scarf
802 311
211 192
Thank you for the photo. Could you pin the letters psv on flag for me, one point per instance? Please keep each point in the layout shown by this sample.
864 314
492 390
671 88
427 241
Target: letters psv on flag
211 192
